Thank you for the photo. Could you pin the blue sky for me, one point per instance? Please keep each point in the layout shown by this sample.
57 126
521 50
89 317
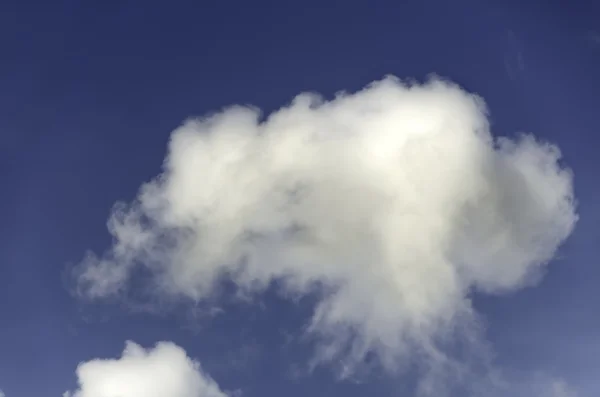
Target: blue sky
90 94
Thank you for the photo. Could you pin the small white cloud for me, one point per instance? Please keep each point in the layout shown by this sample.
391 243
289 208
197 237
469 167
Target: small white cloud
2 394
560 388
537 384
546 386
164 371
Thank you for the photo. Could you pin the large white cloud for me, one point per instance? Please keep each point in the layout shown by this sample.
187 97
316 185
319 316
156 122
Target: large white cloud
164 371
392 204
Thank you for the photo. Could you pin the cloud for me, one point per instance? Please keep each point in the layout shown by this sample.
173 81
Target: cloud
391 205
514 59
2 394
541 385
164 371
559 388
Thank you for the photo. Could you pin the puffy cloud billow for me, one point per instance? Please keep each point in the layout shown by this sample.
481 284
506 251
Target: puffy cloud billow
164 371
391 205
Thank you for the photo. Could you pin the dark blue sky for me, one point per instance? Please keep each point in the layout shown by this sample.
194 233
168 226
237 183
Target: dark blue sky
90 91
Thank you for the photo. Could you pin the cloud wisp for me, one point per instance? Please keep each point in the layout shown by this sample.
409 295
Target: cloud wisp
163 371
391 205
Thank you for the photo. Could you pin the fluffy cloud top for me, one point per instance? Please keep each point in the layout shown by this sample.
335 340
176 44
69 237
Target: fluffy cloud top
164 371
391 204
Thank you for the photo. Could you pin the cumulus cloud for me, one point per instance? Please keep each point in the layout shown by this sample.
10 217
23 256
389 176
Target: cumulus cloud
164 371
391 205
2 394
